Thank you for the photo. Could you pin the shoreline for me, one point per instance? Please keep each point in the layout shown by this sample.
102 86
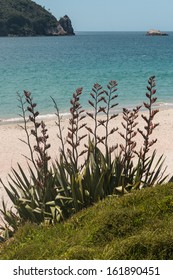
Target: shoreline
51 115
12 149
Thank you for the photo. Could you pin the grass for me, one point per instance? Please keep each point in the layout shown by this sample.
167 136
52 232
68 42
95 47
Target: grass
136 226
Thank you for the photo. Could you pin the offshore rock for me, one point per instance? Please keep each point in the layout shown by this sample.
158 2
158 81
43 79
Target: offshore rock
154 32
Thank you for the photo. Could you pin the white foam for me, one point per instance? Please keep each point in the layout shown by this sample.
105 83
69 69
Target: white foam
40 117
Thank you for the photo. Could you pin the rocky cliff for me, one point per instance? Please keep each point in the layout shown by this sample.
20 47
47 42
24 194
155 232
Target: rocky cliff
66 24
26 18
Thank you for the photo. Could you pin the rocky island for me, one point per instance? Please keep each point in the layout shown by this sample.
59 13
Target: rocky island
153 32
26 18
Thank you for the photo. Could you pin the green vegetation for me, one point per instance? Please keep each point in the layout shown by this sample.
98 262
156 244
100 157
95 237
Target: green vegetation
136 226
26 18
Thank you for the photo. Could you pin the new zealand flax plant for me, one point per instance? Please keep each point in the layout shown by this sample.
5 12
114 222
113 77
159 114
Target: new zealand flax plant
54 192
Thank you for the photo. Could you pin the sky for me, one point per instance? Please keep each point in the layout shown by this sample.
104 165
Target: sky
114 15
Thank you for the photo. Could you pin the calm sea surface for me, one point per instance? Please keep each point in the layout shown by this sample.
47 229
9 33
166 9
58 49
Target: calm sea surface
56 66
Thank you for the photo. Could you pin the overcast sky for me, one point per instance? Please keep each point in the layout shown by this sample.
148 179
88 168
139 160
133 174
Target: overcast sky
114 15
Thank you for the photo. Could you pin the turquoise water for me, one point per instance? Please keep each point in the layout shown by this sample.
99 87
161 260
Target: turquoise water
56 66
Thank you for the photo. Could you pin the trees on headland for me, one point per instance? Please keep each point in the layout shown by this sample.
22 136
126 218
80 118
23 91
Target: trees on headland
26 18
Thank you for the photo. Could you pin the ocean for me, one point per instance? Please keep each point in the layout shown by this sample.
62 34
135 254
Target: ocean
57 66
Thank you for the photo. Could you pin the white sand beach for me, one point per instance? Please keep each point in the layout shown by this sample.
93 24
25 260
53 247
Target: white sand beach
12 149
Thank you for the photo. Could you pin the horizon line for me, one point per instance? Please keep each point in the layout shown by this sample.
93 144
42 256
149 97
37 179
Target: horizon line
119 30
